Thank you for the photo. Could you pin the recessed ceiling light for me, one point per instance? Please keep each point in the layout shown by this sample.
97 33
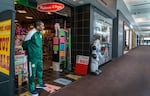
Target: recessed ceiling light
28 17
15 2
16 20
139 20
49 13
21 11
74 0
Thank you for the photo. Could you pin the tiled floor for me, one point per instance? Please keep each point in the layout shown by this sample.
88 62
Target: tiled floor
48 76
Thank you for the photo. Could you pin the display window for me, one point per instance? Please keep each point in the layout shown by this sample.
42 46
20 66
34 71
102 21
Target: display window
102 26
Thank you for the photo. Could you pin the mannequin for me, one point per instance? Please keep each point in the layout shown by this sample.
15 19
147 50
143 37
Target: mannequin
96 56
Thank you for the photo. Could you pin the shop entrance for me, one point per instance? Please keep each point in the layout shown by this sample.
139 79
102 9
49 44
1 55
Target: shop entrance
25 18
126 37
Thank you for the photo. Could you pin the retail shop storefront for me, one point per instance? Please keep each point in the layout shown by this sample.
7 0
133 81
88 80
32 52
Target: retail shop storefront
14 27
56 37
78 24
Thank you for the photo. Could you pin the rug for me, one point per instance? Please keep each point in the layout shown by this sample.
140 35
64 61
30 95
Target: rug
25 94
62 81
51 88
74 77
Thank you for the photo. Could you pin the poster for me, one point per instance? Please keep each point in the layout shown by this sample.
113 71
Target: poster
5 36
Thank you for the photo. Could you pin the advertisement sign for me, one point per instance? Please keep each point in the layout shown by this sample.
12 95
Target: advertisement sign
82 59
50 7
5 32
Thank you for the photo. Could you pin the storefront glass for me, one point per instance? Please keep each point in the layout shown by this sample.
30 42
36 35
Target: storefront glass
102 26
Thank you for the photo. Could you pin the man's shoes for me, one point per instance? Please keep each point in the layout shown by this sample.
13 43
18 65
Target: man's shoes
42 86
34 93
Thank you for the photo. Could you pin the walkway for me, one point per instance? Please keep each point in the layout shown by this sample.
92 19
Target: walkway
128 75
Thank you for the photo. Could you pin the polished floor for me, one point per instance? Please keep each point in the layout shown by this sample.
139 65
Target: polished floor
128 75
48 78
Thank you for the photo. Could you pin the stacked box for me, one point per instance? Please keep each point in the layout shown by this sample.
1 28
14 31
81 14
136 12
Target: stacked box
21 69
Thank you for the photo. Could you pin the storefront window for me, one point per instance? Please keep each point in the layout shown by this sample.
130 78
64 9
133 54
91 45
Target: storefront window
102 26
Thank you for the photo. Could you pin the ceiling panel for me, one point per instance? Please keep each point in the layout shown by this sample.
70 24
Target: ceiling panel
140 11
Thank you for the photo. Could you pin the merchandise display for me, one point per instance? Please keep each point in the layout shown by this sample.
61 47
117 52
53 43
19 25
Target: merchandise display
56 44
103 26
48 48
21 68
101 46
60 48
97 56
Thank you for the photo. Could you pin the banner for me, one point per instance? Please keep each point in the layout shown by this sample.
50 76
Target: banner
5 36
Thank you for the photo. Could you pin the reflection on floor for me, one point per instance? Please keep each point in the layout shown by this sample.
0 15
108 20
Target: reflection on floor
48 77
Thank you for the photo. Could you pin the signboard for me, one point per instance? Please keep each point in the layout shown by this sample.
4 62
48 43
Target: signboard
82 59
50 7
81 65
5 32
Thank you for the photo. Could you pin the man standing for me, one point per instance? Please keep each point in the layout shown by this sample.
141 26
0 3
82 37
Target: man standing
33 44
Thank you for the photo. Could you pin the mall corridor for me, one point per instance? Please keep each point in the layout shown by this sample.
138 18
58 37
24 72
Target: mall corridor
128 75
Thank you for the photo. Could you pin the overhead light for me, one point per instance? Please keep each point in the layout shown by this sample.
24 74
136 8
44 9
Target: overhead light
43 32
139 19
28 17
74 0
16 20
49 13
15 2
21 11
146 27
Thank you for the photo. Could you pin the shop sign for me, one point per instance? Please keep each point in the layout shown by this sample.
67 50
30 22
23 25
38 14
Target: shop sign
5 33
50 7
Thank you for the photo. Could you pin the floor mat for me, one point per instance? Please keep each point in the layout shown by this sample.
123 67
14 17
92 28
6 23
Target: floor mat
25 94
62 81
74 77
51 88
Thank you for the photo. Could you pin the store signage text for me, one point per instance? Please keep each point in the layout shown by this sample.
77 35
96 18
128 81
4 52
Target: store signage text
4 44
50 7
82 59
5 33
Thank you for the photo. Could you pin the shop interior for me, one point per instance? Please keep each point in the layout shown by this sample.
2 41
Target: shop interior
126 45
25 18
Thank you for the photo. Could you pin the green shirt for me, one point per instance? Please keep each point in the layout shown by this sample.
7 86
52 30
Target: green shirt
34 46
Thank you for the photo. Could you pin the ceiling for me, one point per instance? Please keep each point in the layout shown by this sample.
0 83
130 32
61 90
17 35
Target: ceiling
30 12
140 11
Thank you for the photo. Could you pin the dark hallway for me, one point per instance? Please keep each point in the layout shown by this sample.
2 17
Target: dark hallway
128 75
